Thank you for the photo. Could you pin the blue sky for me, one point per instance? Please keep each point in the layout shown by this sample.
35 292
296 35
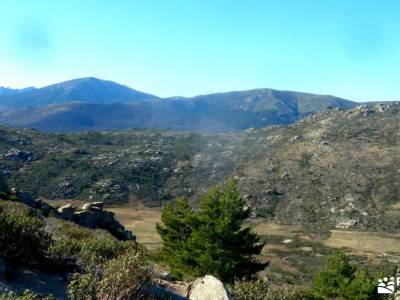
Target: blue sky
346 48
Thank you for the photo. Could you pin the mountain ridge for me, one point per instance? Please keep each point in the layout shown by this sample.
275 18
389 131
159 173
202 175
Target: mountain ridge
105 105
87 89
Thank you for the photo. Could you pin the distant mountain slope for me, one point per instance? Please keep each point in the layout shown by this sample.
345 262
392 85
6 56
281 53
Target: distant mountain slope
336 169
220 112
84 89
9 91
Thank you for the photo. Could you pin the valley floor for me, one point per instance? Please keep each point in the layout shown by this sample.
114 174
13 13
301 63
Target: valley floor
293 253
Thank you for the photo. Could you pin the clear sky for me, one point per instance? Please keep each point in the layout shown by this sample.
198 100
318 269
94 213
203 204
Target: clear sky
348 48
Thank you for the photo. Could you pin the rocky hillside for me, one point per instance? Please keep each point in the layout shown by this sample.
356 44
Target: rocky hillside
93 104
337 168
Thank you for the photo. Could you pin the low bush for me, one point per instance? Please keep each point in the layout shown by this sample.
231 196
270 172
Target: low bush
120 278
27 295
23 239
261 290
90 251
250 290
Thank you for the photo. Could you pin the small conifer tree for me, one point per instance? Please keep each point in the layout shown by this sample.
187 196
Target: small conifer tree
211 240
340 279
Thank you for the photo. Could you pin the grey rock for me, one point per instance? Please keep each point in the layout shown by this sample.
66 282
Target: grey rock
90 205
208 288
86 218
67 212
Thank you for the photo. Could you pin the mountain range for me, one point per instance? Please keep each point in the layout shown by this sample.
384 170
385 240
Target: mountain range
90 104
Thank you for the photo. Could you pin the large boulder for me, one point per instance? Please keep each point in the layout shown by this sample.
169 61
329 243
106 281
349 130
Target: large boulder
91 205
66 212
208 288
86 218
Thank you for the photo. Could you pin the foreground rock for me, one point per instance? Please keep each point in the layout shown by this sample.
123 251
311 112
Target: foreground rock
208 288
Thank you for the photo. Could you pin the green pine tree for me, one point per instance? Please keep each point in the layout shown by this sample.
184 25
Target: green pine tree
211 240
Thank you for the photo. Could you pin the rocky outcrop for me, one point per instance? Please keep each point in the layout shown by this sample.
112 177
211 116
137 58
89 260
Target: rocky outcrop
208 288
66 212
17 155
93 215
90 215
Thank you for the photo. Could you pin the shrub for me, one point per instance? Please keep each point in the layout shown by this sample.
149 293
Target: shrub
250 290
90 251
289 293
22 237
261 290
119 278
26 295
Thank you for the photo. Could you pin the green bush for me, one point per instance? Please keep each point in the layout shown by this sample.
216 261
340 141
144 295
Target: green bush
289 293
261 290
26 295
211 240
342 279
90 251
22 237
120 278
250 290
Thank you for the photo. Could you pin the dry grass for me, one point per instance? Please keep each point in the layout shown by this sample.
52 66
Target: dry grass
271 228
363 242
142 222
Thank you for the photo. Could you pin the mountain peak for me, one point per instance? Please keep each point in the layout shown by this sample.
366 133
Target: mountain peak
88 89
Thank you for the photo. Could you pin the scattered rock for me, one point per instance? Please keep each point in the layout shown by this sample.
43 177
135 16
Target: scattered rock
345 223
65 190
295 138
108 190
208 288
